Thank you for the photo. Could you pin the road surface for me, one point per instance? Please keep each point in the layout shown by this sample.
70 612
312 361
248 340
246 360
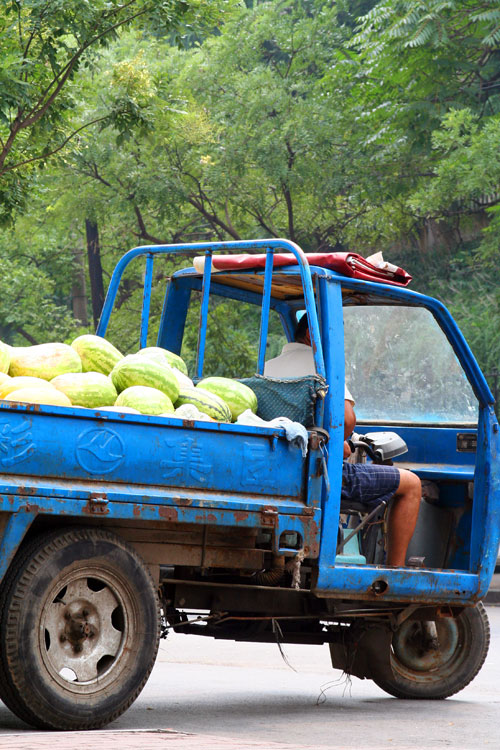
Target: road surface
220 695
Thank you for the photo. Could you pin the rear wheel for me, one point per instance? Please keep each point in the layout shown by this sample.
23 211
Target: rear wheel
435 659
79 630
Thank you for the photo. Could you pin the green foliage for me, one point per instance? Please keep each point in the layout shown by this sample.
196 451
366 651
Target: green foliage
44 48
297 118
31 308
467 175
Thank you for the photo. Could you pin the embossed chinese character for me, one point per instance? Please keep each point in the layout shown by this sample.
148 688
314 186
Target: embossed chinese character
186 461
255 459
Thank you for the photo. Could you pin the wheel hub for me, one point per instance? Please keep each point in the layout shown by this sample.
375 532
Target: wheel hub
420 649
79 622
84 628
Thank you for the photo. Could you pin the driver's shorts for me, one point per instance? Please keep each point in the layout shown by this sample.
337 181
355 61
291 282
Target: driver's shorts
368 484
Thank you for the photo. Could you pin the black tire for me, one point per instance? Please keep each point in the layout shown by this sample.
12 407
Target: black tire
79 630
422 669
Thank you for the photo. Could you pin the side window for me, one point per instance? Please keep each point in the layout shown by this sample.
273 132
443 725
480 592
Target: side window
232 343
400 367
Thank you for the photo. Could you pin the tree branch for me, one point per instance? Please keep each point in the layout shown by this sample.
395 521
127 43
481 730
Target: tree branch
142 229
26 335
54 151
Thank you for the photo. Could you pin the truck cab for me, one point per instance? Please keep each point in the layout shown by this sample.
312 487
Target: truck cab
236 530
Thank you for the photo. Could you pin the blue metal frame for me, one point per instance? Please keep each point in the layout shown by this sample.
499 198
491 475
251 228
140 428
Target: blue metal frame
269 246
146 300
266 301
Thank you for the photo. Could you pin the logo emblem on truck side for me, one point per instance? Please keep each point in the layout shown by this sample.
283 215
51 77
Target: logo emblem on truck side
99 451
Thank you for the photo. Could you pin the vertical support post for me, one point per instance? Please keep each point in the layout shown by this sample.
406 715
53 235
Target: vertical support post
333 341
266 302
146 300
202 329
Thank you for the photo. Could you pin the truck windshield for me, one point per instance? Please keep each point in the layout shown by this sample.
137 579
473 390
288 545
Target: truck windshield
400 367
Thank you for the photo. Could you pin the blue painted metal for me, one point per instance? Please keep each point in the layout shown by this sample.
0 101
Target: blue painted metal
20 519
403 584
78 463
173 316
154 451
264 320
431 450
86 502
485 534
205 297
146 300
333 337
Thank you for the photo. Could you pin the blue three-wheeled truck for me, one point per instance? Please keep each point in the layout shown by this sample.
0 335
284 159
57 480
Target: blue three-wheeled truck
117 527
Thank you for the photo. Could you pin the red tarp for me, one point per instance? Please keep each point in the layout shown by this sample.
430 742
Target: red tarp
347 264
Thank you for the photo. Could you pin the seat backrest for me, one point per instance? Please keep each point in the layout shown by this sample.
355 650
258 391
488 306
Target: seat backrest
294 398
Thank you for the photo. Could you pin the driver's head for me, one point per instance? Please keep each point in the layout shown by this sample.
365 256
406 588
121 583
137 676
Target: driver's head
302 331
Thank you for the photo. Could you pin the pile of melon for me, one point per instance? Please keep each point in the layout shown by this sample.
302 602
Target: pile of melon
91 373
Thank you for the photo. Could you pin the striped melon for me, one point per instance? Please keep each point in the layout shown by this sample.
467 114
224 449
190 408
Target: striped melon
163 355
97 354
238 396
183 380
22 381
89 389
49 396
145 399
134 370
206 402
44 360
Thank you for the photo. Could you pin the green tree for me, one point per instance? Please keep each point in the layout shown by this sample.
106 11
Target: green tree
44 45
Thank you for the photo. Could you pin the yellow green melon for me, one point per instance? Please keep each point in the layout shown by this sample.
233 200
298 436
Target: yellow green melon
4 357
22 381
44 360
49 396
89 389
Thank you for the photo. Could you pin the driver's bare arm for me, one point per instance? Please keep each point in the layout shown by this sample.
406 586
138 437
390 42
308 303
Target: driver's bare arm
349 425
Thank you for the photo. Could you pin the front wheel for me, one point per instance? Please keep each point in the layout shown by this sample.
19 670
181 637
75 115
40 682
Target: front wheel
79 630
436 659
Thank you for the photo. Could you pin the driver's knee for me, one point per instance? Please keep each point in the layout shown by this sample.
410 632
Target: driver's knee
409 484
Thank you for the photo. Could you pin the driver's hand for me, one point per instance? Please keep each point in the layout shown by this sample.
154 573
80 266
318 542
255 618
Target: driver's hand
347 450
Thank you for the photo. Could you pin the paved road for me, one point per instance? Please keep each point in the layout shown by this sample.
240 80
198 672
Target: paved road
217 696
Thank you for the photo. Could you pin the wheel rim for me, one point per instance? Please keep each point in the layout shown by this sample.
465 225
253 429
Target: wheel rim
87 619
428 651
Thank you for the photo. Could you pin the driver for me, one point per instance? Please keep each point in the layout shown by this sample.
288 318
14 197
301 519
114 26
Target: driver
365 483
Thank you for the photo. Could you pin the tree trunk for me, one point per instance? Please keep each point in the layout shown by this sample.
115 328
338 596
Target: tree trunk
95 269
78 291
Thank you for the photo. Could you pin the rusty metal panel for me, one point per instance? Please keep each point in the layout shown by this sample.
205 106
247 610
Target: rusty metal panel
88 445
208 557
